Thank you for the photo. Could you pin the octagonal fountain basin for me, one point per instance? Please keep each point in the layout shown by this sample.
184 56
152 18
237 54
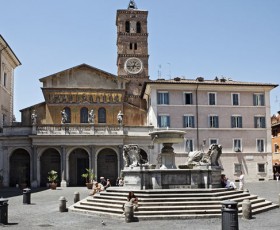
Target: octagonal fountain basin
168 136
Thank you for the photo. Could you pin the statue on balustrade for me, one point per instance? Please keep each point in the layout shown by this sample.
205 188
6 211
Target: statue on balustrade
34 117
63 117
120 117
91 116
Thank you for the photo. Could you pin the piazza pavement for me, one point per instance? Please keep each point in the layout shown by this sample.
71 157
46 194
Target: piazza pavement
43 212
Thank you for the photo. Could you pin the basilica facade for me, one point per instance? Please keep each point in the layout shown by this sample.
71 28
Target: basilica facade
77 126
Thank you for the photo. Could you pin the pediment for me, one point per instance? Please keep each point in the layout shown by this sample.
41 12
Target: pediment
81 76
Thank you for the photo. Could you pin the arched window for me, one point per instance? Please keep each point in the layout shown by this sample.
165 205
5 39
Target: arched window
127 27
101 115
130 46
138 27
135 46
84 115
68 113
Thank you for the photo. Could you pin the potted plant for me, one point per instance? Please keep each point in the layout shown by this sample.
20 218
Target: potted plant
89 176
52 179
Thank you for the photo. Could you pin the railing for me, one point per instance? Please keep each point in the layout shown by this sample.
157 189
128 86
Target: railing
77 129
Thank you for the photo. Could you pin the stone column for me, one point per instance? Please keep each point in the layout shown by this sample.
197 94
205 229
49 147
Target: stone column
120 161
63 182
34 179
92 160
6 165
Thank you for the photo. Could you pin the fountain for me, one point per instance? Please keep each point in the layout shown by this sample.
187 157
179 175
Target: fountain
200 171
192 190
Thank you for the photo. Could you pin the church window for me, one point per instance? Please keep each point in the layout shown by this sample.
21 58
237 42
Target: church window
130 46
84 115
127 27
68 113
135 46
102 115
138 27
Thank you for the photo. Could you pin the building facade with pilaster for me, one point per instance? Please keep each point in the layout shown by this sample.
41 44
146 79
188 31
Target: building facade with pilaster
8 63
221 111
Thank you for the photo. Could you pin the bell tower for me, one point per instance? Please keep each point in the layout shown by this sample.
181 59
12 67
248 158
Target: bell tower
132 48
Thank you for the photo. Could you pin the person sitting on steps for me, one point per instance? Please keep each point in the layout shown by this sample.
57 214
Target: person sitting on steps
108 184
132 199
96 188
226 183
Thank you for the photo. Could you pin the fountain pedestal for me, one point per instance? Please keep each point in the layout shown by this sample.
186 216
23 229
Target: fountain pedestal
167 138
143 178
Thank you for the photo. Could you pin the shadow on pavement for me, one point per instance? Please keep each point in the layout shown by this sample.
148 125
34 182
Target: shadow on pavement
8 192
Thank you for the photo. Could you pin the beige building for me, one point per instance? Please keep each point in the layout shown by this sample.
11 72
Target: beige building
8 63
231 113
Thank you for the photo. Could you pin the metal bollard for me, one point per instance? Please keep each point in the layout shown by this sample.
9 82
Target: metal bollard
229 215
62 204
3 211
128 212
26 196
76 197
247 209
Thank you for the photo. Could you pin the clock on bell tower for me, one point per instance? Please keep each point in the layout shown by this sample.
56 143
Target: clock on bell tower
132 45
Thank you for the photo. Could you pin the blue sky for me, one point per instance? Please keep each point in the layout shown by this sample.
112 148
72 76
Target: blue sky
239 39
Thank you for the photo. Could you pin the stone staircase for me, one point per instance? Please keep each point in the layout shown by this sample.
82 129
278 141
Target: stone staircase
169 203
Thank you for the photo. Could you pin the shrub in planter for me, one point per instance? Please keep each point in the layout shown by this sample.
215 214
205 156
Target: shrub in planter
89 176
52 177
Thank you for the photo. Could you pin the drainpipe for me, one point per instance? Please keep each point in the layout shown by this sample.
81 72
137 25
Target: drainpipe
196 107
1 60
1 73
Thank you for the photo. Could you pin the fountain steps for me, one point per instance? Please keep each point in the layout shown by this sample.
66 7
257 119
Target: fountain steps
173 204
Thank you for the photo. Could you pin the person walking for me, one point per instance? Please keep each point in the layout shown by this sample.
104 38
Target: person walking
241 181
277 176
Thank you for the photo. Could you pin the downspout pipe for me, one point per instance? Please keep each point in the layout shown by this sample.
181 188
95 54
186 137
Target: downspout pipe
1 61
196 108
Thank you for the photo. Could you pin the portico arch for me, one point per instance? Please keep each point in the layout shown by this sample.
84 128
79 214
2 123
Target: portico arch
49 160
107 165
78 162
19 167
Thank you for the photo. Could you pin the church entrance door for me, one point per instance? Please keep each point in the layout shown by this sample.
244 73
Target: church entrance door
107 165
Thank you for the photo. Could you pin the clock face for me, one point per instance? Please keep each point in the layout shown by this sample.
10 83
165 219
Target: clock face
133 65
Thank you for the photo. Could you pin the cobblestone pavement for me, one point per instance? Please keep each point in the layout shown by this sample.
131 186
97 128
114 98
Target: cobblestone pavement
43 212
